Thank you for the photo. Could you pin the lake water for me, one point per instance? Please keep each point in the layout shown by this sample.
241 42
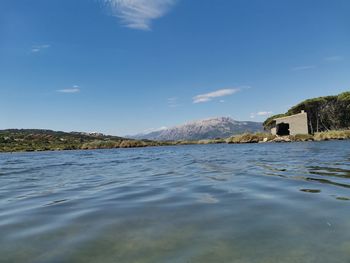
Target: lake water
202 203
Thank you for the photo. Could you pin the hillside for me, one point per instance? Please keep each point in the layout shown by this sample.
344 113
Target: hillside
324 113
43 140
212 128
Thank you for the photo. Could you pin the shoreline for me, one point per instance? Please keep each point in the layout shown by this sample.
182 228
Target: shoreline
265 137
237 139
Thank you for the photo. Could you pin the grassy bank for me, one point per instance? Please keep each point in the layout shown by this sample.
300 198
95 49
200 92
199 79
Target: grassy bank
266 137
332 135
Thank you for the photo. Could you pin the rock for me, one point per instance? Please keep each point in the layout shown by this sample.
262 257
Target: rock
282 139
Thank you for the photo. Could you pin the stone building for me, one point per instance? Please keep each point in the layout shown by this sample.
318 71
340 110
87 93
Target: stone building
291 125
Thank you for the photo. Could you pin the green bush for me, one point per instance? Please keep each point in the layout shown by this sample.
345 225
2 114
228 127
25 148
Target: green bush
324 113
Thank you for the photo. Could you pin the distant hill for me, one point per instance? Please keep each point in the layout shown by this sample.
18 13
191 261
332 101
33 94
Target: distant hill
43 140
212 128
324 113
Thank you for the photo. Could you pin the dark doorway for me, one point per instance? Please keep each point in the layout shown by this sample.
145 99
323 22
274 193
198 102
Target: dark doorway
282 129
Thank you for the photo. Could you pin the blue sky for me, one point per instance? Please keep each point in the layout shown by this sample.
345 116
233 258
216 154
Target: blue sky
126 66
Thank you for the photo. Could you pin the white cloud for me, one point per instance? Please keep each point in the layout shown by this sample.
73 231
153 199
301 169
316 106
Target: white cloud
74 89
173 102
260 113
264 113
299 68
38 48
334 58
215 94
139 14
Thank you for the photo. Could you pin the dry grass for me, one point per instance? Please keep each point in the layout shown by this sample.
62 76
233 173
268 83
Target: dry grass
332 135
302 138
251 138
109 144
100 144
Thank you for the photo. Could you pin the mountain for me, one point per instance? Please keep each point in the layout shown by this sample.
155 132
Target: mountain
212 128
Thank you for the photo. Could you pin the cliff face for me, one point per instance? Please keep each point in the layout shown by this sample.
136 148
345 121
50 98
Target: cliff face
324 113
221 127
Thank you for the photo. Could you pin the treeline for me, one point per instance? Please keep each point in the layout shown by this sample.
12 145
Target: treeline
324 113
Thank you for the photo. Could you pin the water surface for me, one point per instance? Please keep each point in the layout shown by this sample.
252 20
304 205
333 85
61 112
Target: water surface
202 203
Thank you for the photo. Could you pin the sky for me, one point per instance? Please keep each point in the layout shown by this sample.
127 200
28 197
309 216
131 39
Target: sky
127 66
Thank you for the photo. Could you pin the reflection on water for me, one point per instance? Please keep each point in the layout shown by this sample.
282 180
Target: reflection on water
203 203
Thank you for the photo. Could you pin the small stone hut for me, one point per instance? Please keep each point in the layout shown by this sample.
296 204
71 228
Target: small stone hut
291 125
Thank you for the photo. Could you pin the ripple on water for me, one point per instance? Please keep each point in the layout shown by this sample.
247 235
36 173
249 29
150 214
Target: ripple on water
205 203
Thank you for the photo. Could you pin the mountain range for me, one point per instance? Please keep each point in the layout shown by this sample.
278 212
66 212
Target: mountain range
221 127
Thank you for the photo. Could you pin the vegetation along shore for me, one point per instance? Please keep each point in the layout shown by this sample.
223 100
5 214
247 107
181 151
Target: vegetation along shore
47 140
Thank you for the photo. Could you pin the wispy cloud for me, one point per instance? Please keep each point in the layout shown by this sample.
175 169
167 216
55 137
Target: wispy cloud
300 68
326 59
38 48
264 113
74 89
260 113
173 102
139 14
215 94
334 58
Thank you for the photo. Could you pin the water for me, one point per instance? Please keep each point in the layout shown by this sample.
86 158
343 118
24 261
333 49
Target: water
202 203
